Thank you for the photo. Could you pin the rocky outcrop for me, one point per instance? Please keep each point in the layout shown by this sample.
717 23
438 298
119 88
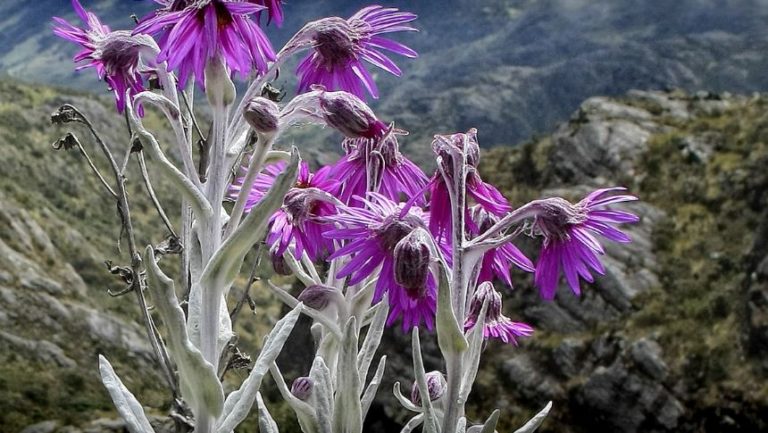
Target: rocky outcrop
655 344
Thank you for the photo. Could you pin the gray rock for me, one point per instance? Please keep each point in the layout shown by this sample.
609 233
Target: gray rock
41 427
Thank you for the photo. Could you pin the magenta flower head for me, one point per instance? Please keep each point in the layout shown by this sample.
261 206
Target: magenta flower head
569 242
274 10
295 222
453 150
376 165
497 261
384 234
194 32
497 325
116 56
339 47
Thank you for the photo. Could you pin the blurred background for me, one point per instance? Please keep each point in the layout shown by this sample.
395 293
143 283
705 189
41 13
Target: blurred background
663 97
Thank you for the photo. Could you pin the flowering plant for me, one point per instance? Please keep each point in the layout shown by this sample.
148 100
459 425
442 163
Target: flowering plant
373 239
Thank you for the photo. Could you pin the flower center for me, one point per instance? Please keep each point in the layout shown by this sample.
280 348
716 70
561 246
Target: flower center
394 229
336 42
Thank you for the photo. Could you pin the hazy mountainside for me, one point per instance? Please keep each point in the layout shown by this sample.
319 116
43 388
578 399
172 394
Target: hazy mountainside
511 68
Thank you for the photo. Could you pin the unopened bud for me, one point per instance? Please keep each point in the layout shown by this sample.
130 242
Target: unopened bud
317 296
350 115
301 388
485 292
453 147
279 265
435 385
262 114
411 265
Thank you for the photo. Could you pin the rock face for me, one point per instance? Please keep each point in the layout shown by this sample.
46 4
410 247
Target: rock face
674 336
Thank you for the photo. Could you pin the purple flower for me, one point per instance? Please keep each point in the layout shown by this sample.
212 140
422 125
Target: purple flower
495 262
376 165
452 150
295 221
195 32
114 55
372 235
339 47
569 242
274 10
497 325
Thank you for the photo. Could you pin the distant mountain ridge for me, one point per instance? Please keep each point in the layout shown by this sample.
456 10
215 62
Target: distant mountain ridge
511 68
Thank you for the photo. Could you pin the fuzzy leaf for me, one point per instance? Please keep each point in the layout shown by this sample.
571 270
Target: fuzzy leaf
127 406
476 338
266 423
372 338
536 421
199 383
239 403
404 400
373 386
430 420
348 413
323 394
450 338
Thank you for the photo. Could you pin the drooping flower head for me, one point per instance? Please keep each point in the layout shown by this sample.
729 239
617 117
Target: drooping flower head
274 10
339 48
497 325
453 150
570 246
294 223
376 165
390 236
497 261
194 32
116 55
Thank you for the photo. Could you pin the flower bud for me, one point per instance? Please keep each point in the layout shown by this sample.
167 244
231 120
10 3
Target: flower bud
262 114
435 384
453 148
317 296
411 264
279 265
301 388
350 115
485 291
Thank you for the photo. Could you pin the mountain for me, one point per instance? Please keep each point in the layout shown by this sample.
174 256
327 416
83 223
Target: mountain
511 68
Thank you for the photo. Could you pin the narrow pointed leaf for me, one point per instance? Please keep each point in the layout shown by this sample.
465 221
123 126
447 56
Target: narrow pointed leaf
127 406
266 423
430 421
476 338
239 403
372 339
373 386
536 421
